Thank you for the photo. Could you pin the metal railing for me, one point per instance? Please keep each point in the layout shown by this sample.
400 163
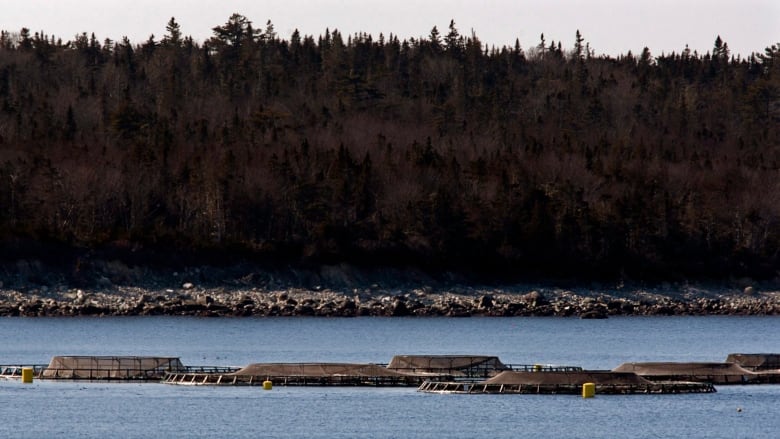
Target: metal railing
542 368
205 379
208 369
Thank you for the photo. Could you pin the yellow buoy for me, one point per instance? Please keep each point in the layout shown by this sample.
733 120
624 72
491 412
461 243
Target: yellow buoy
537 367
268 385
27 375
588 390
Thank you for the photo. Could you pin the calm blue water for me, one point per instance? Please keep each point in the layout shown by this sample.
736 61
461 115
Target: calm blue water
91 410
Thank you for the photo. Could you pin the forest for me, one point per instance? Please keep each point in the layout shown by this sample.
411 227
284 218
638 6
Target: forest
440 153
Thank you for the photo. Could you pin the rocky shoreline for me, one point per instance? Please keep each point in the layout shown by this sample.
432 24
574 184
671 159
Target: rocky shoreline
114 289
216 303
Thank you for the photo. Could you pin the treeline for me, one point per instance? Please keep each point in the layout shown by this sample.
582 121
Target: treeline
437 152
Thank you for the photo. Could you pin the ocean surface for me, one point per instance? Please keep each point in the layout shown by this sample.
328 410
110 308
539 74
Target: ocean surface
47 409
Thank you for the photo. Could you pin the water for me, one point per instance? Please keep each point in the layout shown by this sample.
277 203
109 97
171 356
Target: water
92 410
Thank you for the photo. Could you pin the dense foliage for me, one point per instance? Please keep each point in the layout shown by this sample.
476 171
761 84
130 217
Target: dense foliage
437 152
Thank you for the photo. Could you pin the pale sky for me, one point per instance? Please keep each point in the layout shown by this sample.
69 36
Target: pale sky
611 27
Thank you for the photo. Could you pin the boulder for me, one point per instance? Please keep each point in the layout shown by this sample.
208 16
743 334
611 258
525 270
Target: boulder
204 299
485 301
400 309
534 298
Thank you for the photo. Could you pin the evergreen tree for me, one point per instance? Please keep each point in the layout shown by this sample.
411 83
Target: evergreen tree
234 33
435 39
270 33
579 49
453 41
541 48
173 36
720 50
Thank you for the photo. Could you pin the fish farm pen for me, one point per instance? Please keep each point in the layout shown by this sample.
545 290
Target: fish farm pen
349 377
403 370
108 368
565 389
604 382
463 374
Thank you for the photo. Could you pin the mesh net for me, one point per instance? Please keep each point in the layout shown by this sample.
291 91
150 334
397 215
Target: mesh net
89 367
317 370
570 378
442 363
755 361
713 372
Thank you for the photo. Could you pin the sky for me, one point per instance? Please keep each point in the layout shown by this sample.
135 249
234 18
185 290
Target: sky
611 27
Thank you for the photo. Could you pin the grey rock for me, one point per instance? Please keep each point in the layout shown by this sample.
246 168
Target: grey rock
534 298
400 309
486 301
